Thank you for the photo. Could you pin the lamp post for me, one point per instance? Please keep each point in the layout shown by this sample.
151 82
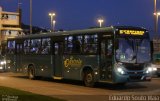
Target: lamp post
20 13
155 17
156 23
19 3
52 21
100 21
30 16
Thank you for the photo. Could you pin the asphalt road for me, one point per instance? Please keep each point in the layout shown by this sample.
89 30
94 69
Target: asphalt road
75 91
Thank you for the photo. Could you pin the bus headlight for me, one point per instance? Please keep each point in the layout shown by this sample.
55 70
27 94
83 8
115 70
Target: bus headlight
1 67
149 70
3 62
154 69
120 70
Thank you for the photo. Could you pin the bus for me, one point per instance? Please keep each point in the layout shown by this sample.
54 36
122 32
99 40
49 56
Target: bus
116 54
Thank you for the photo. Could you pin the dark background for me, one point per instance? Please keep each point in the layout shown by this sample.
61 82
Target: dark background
79 14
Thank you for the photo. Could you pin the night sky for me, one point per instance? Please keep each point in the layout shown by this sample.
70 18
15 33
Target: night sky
79 14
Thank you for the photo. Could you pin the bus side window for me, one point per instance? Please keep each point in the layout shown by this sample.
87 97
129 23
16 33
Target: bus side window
103 52
69 44
90 44
35 46
11 47
26 46
77 44
46 46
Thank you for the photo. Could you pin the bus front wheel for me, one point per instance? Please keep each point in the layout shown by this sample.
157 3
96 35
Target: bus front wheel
88 78
31 73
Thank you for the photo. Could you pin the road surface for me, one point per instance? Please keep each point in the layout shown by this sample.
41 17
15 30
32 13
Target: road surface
75 91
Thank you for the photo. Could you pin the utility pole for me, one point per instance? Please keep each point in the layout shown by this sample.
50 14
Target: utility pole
20 13
155 19
30 16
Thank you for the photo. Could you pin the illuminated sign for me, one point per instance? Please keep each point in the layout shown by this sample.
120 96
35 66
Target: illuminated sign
71 62
131 32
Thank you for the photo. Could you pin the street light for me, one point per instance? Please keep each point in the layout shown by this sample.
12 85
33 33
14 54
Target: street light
19 3
155 6
20 13
52 21
100 21
155 18
156 23
30 16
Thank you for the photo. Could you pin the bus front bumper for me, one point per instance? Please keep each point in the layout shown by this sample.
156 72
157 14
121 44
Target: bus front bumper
132 78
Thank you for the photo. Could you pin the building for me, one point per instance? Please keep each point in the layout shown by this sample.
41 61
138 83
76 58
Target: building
9 25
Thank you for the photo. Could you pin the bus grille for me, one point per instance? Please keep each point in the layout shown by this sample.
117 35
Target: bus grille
132 73
134 66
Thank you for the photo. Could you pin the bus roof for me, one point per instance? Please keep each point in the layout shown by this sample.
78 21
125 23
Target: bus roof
75 32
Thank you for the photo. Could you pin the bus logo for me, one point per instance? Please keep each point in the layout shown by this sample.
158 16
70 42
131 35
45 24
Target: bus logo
71 62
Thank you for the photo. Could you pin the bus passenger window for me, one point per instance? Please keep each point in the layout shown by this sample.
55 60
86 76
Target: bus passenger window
69 44
26 46
45 46
77 43
35 46
90 43
73 44
11 47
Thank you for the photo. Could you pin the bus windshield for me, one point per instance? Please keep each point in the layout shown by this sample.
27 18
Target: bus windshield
133 50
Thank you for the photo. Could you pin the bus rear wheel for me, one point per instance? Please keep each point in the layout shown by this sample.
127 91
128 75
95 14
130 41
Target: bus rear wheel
89 78
31 73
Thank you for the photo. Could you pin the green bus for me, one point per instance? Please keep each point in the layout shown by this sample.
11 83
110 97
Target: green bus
116 54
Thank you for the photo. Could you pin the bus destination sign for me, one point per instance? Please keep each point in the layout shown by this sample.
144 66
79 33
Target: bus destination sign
131 32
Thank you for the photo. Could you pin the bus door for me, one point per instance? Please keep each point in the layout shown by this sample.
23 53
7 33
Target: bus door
106 59
58 59
19 50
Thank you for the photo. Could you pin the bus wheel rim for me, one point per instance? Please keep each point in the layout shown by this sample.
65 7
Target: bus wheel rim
89 78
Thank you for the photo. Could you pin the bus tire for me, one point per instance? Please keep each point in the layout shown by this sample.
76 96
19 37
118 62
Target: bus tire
31 73
88 78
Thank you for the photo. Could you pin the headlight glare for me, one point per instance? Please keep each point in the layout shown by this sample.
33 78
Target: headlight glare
120 70
3 62
151 69
1 67
154 69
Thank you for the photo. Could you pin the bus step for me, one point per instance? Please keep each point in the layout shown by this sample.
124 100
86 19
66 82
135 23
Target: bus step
57 78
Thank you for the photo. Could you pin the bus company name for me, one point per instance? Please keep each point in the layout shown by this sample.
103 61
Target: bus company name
71 62
131 32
